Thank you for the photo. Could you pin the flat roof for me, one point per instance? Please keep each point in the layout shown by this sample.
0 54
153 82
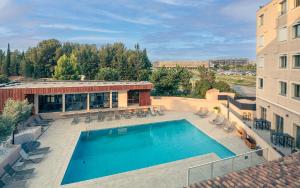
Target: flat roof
63 84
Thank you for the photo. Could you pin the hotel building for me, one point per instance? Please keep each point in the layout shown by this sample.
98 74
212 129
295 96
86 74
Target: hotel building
73 96
278 66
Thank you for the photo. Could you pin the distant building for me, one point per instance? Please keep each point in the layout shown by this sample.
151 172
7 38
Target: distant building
231 61
191 65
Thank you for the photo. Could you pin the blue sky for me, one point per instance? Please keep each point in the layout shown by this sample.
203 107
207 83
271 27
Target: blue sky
169 29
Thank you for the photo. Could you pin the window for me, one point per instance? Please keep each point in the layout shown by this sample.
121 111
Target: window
115 99
282 34
296 30
263 113
99 100
260 83
296 60
283 61
50 103
261 62
133 97
279 123
261 41
283 7
76 102
297 3
261 20
296 91
283 88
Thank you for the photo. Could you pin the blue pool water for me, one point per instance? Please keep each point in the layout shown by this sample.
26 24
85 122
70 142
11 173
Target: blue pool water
112 151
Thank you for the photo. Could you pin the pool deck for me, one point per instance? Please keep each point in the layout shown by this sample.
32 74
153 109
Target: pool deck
62 138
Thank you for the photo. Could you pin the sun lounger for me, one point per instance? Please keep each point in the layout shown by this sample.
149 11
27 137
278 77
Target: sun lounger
220 121
204 113
160 112
20 174
31 158
37 151
43 119
117 116
199 111
100 117
230 127
75 120
88 119
127 115
109 117
13 184
152 112
33 122
214 118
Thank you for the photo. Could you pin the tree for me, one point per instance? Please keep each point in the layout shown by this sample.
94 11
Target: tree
6 127
3 79
206 74
222 86
26 68
6 65
2 61
144 75
88 61
201 87
185 77
45 58
16 58
165 81
14 113
108 74
66 68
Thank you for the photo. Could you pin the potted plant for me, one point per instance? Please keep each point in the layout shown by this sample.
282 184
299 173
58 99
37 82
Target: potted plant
217 109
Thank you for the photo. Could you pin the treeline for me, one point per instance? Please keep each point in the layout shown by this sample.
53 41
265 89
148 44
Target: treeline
53 59
177 82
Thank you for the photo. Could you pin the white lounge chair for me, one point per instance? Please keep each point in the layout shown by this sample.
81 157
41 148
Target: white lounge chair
31 158
214 118
204 113
199 111
230 126
220 121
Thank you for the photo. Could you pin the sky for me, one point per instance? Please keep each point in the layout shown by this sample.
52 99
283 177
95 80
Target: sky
168 29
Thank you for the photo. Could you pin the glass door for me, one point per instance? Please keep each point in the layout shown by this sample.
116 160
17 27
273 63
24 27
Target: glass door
298 137
279 123
263 113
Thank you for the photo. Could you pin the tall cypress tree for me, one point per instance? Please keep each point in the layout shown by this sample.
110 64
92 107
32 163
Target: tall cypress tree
6 65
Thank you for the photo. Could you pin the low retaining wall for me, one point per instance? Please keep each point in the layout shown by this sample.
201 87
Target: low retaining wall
10 158
272 154
183 104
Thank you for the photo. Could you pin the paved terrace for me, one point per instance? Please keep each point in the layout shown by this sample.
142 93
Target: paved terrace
62 138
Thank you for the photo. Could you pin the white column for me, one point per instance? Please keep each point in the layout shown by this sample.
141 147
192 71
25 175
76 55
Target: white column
110 99
88 102
36 103
63 102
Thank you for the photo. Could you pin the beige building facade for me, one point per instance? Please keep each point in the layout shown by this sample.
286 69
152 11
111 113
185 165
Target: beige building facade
278 66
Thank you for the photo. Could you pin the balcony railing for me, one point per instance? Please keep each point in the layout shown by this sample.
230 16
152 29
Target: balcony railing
222 167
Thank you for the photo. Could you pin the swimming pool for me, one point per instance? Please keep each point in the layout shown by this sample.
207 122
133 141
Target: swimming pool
111 151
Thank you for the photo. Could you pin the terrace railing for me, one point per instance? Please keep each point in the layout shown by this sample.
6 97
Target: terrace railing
222 167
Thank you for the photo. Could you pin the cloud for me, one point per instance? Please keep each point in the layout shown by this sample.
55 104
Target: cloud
139 20
5 32
185 2
243 10
77 28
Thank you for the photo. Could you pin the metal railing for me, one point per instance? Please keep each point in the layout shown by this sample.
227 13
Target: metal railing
224 166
